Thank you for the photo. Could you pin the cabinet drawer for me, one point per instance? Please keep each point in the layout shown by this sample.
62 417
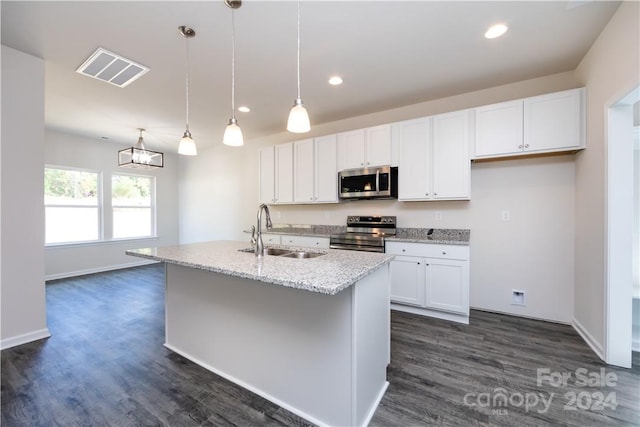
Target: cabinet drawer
428 250
306 241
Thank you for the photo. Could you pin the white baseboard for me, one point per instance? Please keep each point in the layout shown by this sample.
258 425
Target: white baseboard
453 317
24 338
589 339
98 269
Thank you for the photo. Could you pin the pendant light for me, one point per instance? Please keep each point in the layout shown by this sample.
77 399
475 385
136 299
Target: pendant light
187 145
139 157
233 133
298 117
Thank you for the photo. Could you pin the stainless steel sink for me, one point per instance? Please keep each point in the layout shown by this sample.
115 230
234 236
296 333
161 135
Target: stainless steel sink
302 255
286 253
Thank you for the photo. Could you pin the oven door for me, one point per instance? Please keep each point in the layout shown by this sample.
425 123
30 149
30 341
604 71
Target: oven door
357 242
365 183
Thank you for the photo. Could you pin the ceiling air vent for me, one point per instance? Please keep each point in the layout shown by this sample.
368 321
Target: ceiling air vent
112 68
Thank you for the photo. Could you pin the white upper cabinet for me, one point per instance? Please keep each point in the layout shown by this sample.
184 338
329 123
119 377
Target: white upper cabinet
326 169
433 157
284 173
414 159
540 124
554 121
364 147
303 171
315 170
276 174
451 161
499 128
267 175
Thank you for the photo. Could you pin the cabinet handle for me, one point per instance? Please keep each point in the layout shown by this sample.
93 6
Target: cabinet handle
520 146
368 163
404 250
426 194
435 194
317 243
310 198
526 145
361 164
444 253
418 263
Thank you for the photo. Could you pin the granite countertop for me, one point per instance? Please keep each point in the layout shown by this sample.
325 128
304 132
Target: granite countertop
441 236
326 274
306 230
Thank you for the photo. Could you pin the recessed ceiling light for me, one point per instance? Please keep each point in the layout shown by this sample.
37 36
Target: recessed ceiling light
496 31
335 80
244 109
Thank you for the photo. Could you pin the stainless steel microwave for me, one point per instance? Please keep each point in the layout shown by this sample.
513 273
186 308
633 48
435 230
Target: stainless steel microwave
379 182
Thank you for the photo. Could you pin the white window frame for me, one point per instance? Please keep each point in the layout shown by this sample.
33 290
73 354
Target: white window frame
152 207
99 206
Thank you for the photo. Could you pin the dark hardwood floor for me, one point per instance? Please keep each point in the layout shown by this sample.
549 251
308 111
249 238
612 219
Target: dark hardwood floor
105 365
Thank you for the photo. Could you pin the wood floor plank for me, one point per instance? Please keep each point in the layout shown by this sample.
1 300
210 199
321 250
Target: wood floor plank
105 365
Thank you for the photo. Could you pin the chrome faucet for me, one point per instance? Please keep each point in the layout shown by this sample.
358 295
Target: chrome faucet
259 244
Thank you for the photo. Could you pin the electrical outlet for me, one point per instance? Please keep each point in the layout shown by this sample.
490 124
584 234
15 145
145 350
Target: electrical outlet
506 216
438 216
517 297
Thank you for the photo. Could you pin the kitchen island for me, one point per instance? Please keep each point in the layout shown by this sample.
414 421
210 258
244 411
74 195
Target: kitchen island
311 335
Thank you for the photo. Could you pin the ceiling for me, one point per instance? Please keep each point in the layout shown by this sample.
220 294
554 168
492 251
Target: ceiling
389 53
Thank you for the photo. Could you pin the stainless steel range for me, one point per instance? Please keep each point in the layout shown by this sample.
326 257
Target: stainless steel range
365 233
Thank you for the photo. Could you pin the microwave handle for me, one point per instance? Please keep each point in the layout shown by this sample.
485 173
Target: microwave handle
378 181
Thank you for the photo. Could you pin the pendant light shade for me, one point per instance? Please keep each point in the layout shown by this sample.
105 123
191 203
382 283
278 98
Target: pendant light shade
298 117
187 145
139 157
233 133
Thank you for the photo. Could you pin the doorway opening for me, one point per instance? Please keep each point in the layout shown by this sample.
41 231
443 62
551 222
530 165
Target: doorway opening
621 217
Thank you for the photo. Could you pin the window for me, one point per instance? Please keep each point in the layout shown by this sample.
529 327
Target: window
132 200
72 205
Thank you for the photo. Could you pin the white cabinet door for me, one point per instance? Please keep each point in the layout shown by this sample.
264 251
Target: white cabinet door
306 241
303 171
414 159
284 173
351 149
267 175
554 121
325 169
451 162
498 129
378 146
408 280
447 285
364 147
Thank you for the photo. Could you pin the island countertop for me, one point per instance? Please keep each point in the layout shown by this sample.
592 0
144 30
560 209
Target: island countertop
326 274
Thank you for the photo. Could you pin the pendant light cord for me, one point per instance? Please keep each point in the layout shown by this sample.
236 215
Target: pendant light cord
298 49
187 81
233 65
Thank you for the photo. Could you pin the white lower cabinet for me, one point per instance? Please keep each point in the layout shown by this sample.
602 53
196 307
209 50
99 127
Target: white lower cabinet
305 241
430 279
408 280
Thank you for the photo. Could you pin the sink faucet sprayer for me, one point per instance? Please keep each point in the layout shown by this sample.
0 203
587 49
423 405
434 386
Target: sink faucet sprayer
259 244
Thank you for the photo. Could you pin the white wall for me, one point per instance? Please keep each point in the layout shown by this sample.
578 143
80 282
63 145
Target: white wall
62 149
23 317
532 252
610 70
